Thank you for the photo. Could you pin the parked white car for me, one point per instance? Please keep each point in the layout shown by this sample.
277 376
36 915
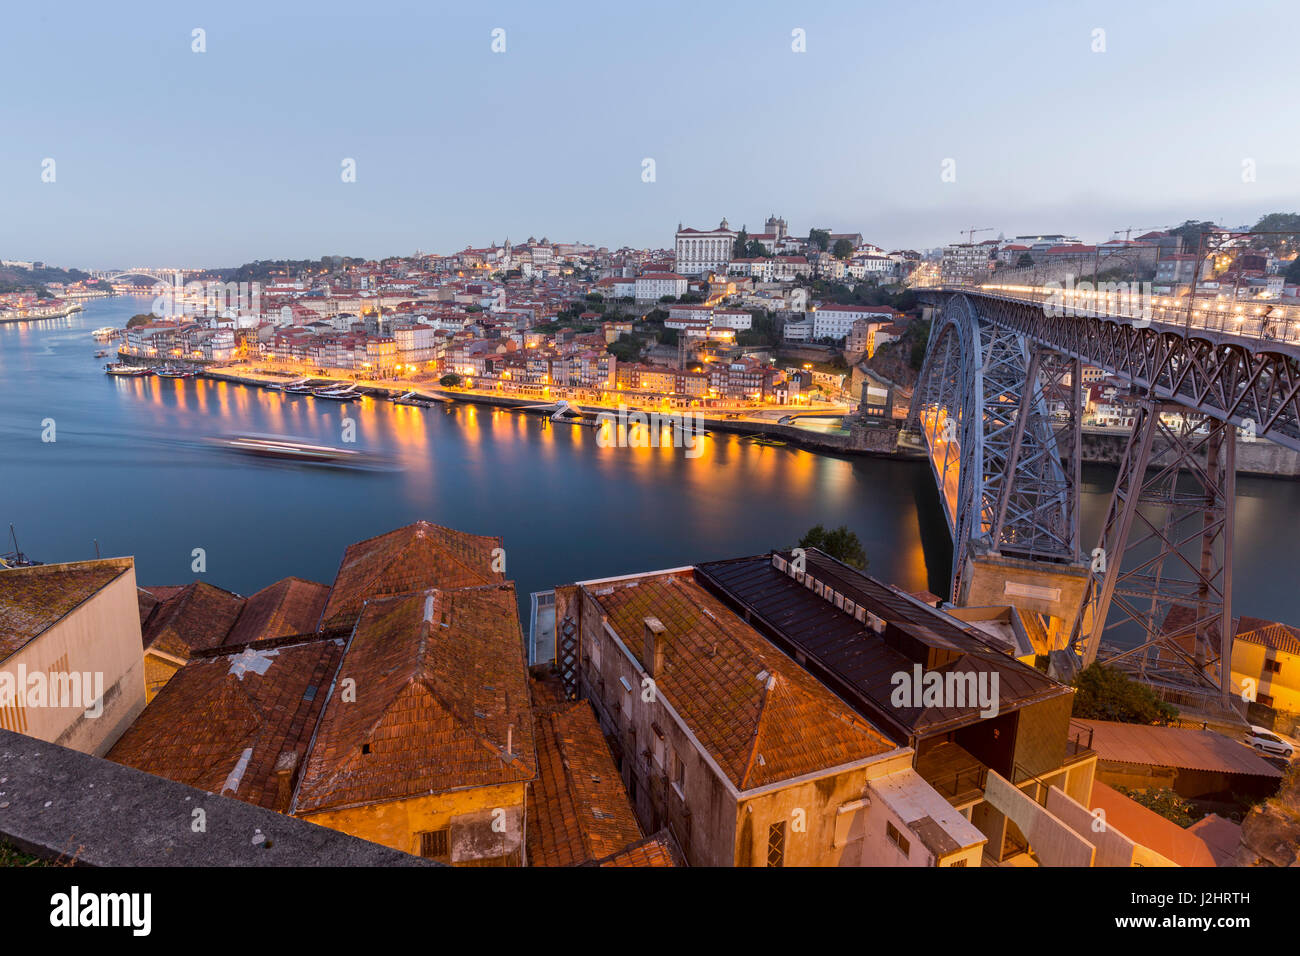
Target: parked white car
1265 741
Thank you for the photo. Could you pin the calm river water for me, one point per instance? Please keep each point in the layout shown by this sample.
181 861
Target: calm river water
130 467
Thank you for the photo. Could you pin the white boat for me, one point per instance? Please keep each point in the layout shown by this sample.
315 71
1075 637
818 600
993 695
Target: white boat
338 394
105 333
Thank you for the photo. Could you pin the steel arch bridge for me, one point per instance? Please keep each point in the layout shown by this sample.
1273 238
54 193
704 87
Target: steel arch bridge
998 407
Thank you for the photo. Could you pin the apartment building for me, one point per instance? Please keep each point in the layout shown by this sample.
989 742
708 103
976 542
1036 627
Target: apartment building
734 749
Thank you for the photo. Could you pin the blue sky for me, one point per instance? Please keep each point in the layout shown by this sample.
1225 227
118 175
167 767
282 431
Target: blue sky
166 156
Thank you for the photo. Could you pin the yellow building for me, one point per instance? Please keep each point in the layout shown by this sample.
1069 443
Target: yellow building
425 743
1266 661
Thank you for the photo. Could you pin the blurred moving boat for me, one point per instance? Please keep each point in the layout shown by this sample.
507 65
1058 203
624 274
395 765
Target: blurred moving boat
117 368
291 449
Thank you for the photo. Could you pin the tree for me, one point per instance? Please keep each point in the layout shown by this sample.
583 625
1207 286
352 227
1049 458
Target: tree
1163 801
1292 273
740 245
840 543
139 319
1191 231
1106 693
819 239
842 249
1287 222
450 380
1026 261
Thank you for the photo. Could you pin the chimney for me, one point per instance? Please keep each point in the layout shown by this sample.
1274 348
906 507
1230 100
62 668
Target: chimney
654 646
286 772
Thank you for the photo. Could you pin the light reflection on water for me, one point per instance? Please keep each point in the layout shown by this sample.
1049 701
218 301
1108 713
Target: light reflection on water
130 468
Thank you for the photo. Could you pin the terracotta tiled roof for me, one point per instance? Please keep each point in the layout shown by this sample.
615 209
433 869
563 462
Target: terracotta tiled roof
289 606
761 717
441 691
579 811
197 617
418 556
1271 634
658 850
261 701
33 599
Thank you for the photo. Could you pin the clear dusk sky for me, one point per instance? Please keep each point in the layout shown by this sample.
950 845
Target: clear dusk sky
164 156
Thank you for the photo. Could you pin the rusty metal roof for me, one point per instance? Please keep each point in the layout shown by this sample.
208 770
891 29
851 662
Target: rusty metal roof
1174 747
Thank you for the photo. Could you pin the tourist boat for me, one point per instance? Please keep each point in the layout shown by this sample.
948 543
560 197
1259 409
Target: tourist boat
284 386
772 442
170 371
105 334
136 371
418 401
102 353
304 386
284 448
337 394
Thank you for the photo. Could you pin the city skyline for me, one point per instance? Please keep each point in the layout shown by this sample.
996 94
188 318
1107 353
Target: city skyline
177 156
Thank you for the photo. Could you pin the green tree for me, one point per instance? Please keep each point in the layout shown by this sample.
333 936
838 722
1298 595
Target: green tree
842 249
1025 261
1286 222
1191 231
142 318
1165 802
840 543
1292 273
740 245
1106 693
819 239
450 380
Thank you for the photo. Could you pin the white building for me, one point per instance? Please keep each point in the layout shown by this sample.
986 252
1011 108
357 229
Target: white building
700 252
832 321
737 319
653 286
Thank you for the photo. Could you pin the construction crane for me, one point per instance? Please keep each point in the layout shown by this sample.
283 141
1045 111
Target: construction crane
970 234
1129 231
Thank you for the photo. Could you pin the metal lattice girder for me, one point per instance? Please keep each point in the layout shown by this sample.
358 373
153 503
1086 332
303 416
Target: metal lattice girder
1227 377
994 448
1161 582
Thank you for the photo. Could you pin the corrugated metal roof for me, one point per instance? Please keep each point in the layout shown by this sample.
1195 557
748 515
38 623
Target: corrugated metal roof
1174 747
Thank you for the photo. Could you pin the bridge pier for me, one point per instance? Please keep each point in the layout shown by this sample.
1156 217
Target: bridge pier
1160 581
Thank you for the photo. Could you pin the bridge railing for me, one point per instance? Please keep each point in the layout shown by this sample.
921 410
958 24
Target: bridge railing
1263 322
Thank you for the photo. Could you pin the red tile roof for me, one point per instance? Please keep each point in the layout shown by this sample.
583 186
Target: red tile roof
289 606
262 701
418 556
34 599
440 694
658 850
196 617
761 716
579 810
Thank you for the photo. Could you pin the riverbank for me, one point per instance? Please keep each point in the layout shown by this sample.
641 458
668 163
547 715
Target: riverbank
859 440
51 314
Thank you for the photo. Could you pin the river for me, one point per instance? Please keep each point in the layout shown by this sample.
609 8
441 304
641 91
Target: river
129 467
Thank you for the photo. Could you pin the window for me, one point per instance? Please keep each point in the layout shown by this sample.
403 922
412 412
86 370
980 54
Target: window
897 838
776 844
1273 667
436 844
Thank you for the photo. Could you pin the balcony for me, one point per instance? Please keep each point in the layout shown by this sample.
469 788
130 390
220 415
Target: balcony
953 771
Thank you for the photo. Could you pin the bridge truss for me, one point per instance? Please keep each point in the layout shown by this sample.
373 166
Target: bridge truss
999 401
